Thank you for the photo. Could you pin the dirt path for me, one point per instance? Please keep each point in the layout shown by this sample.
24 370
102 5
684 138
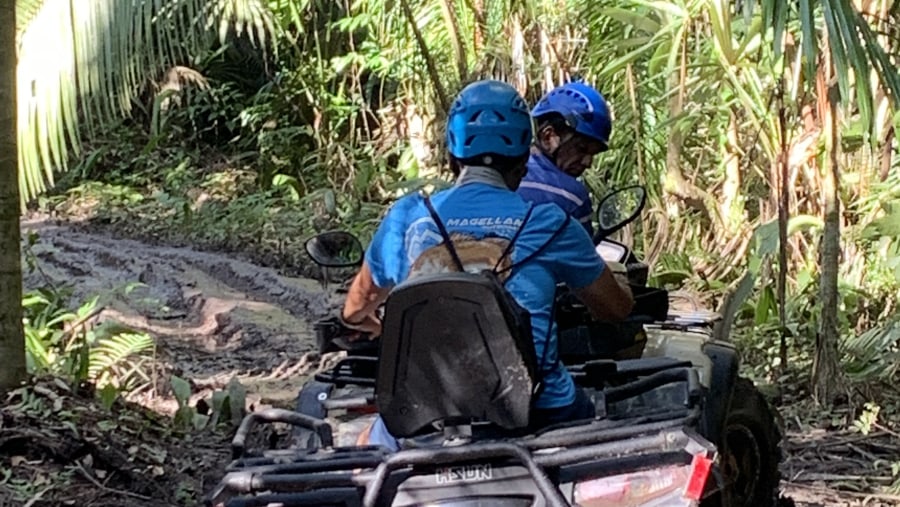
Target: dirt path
213 317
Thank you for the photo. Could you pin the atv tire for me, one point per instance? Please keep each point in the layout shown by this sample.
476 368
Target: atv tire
751 452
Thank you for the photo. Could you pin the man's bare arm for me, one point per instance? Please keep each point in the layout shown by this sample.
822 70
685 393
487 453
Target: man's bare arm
605 298
363 298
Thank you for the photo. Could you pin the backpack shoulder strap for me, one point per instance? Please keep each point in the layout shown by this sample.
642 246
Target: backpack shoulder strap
512 240
543 247
444 233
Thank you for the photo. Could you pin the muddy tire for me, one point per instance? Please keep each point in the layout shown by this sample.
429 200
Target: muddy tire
751 452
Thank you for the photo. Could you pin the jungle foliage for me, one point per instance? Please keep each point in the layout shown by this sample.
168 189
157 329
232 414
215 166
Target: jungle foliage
759 128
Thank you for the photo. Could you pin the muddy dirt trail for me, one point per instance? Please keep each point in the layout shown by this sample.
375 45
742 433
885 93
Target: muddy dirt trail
213 317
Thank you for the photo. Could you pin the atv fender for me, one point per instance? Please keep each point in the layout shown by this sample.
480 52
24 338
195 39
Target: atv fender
686 345
723 376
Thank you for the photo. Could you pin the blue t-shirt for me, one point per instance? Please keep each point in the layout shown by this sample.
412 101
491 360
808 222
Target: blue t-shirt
544 182
481 219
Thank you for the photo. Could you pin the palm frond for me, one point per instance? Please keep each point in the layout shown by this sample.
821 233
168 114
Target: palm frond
855 50
86 60
114 355
874 354
26 10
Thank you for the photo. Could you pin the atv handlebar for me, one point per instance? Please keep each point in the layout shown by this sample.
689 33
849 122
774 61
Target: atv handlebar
333 336
650 305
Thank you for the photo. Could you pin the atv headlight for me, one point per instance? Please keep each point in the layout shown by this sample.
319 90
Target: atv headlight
671 486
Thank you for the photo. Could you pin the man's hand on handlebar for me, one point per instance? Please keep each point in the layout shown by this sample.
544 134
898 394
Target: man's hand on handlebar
370 328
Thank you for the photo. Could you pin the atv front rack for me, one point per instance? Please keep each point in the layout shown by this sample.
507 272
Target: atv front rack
369 476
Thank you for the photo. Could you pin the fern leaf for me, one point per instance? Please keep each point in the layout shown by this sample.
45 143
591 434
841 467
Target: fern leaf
115 351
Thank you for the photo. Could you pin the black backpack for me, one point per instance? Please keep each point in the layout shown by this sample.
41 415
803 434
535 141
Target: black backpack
518 318
489 371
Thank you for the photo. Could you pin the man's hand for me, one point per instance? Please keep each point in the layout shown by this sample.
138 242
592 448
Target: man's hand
370 325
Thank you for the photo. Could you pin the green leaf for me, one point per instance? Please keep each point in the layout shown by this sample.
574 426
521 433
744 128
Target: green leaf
200 421
182 390
779 15
108 395
111 355
184 417
639 20
765 306
237 399
808 42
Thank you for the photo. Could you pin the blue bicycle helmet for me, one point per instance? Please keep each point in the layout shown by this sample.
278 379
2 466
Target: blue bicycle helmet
488 117
581 106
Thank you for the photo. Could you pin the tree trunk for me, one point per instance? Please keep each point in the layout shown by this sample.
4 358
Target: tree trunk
433 73
783 203
480 25
519 69
546 62
12 338
675 183
887 153
826 367
732 206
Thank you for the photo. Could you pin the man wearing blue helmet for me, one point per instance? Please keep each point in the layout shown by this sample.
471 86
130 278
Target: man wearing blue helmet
489 136
573 125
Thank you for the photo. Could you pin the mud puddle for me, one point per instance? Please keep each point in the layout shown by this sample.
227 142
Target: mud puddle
212 317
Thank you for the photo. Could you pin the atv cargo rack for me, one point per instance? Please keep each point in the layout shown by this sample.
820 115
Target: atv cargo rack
345 476
370 476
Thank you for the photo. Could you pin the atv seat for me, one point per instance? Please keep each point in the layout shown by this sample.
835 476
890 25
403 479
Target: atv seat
451 351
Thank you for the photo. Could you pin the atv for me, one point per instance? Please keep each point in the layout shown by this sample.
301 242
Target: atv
675 424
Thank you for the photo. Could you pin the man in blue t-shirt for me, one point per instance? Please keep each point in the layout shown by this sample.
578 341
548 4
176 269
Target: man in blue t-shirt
488 137
573 125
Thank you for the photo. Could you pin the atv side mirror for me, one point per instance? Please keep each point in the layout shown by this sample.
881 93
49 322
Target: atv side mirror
335 249
618 209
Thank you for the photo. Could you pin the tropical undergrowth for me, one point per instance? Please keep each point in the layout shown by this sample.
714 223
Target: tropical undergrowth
256 149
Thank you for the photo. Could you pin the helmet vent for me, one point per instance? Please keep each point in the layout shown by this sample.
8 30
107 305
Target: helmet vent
506 139
477 115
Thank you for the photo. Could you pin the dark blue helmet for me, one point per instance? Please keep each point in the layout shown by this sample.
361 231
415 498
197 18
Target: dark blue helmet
488 117
582 107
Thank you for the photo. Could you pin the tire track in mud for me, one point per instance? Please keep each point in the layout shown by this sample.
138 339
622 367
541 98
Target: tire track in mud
213 317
